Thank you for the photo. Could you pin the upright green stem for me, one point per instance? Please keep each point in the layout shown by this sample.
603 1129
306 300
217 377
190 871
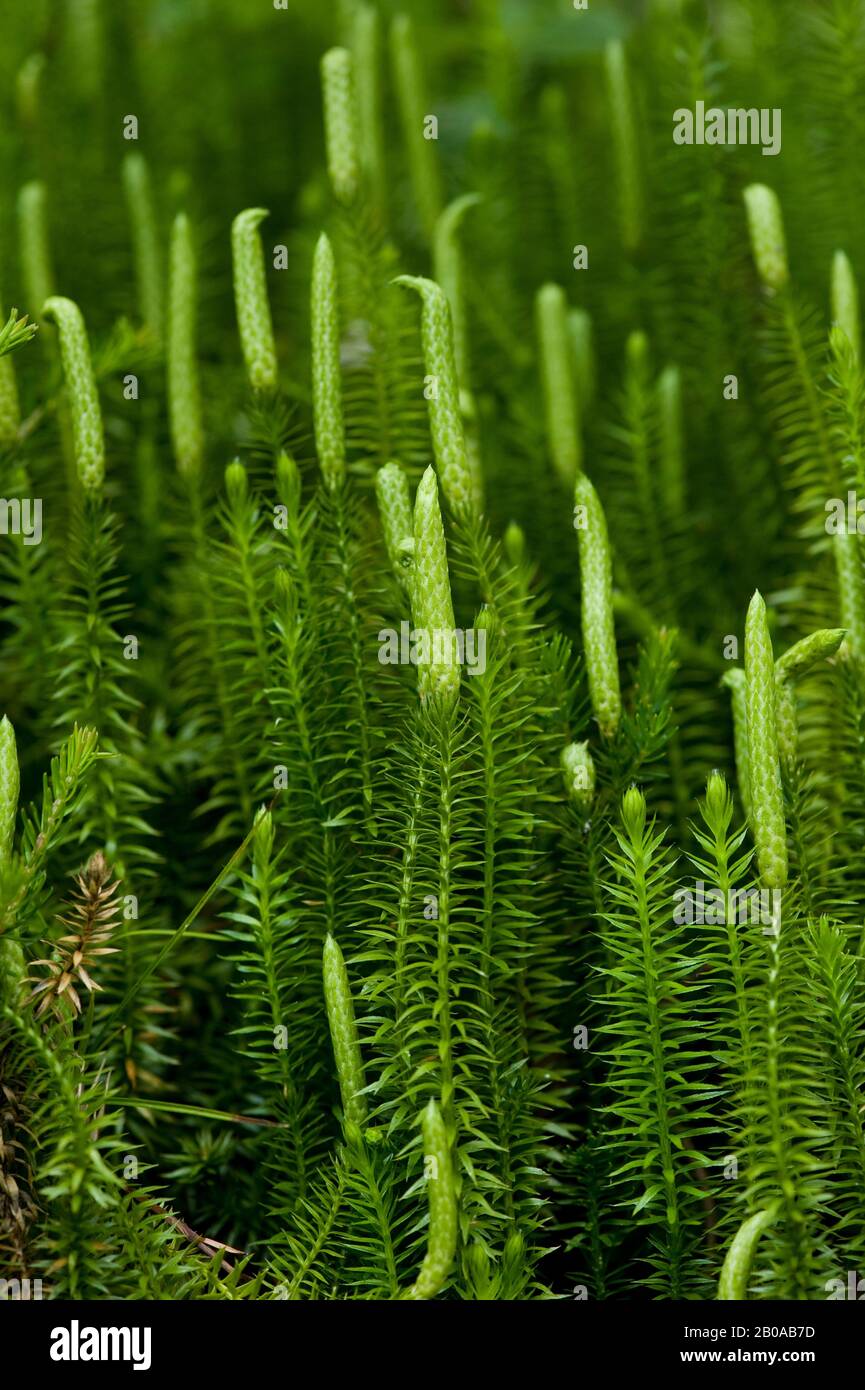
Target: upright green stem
444 734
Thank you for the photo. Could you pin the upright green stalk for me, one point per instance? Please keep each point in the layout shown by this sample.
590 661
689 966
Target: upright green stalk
625 144
145 242
202 589
86 39
767 797
836 1018
847 398
448 272
433 606
253 306
599 632
799 391
394 507
578 768
10 785
443 395
35 247
583 358
736 1270
725 867
184 399
242 542
399 974
640 407
295 622
652 1097
672 440
560 396
420 151
326 370
845 302
851 590
439 683
778 1127
81 391
442 1195
13 968
38 276
272 964
340 124
28 90
787 725
343 1034
367 50
768 242
331 450
735 682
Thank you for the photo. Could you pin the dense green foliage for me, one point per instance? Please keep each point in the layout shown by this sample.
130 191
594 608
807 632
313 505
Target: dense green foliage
329 975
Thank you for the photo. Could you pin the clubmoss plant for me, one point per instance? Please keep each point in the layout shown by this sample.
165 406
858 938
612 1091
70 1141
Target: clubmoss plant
28 89
343 1034
581 336
330 440
560 394
10 409
724 864
786 724
441 1189
623 126
82 393
85 36
395 510
368 63
326 370
672 440
251 300
89 921
736 1270
12 962
450 275
449 272
845 301
431 596
807 654
767 798
837 1016
578 768
443 396
735 682
421 152
184 398
801 658
10 783
768 240
35 245
647 961
340 124
15 332
599 633
851 591
448 959
146 242
22 880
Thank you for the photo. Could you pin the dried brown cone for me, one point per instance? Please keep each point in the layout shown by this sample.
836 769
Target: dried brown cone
17 1209
90 918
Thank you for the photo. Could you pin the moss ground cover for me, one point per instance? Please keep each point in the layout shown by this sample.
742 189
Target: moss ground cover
432 649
